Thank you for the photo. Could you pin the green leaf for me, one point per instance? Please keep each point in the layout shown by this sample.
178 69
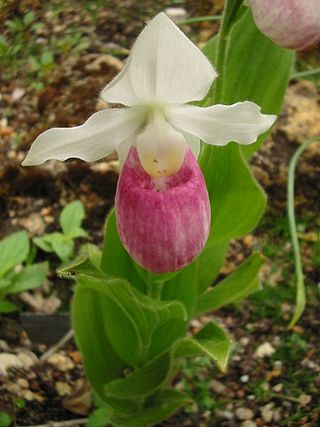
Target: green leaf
101 362
4 284
5 419
234 288
14 250
209 263
28 18
47 58
165 334
183 288
57 243
71 217
29 277
42 243
237 200
64 249
77 232
94 254
115 259
166 404
140 325
211 340
143 381
7 306
149 277
82 265
124 332
100 417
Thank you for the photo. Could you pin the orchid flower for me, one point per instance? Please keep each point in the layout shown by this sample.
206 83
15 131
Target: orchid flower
164 72
294 24
158 131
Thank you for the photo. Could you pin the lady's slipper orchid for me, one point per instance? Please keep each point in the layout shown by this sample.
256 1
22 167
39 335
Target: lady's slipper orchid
164 72
163 222
294 24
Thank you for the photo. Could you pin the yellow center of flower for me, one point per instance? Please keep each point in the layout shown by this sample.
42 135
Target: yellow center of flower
161 148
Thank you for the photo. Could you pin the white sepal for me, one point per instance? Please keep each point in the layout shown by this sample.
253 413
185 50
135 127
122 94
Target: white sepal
93 140
219 124
164 67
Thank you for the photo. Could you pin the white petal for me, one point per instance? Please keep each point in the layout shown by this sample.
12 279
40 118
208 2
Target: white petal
93 140
164 67
220 124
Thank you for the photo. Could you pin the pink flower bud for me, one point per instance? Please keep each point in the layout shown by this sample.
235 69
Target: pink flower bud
163 222
294 24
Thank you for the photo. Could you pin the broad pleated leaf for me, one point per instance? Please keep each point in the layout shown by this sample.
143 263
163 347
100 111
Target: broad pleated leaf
115 259
166 404
234 288
237 200
211 340
141 382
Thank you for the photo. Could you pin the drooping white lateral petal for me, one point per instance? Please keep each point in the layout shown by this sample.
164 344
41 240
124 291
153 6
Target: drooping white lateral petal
193 142
220 124
164 67
93 140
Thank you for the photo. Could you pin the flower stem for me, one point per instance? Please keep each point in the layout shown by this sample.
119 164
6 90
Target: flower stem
229 16
300 295
155 289
199 19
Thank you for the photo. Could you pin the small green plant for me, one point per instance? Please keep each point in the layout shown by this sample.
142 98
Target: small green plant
13 44
17 274
100 414
62 243
5 419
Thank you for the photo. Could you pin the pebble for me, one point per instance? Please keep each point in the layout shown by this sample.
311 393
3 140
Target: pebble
244 378
248 423
30 396
228 415
278 365
278 388
305 399
248 240
244 341
176 13
310 364
13 388
103 61
267 412
27 358
23 383
63 363
4 346
218 387
244 414
264 350
34 224
63 389
8 360
277 414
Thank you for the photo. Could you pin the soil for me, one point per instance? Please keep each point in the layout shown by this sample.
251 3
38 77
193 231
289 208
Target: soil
32 199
